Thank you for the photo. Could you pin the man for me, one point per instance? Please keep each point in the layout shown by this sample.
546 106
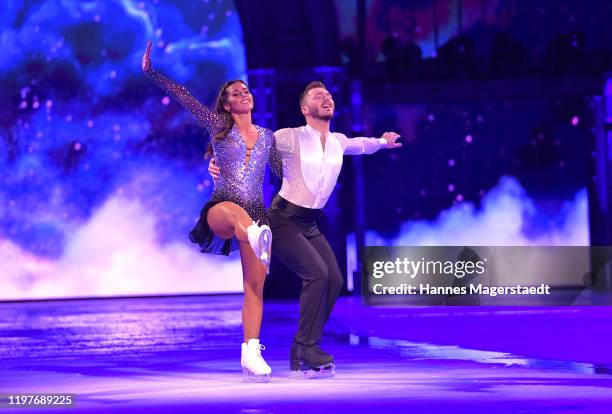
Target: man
311 162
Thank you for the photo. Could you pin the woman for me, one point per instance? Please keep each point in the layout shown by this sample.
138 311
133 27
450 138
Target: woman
229 220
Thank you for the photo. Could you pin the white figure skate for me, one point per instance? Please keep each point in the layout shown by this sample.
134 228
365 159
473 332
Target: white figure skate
254 367
260 239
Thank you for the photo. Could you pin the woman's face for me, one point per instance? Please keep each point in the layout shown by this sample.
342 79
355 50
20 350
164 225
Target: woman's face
238 99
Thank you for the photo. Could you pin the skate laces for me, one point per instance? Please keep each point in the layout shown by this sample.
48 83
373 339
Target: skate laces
258 350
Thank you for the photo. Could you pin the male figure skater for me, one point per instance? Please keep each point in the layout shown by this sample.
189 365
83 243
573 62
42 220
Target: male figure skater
311 162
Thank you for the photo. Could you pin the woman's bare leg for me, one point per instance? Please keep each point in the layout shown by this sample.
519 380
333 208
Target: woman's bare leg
227 219
254 276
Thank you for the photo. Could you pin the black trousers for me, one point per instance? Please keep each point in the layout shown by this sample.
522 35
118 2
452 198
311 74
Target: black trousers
299 245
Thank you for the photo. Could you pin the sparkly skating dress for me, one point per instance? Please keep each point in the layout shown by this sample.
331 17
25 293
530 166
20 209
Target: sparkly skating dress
238 182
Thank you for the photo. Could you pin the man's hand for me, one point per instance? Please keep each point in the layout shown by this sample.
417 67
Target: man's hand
391 137
214 170
146 58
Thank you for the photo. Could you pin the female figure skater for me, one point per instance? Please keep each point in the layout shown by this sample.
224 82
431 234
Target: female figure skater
234 218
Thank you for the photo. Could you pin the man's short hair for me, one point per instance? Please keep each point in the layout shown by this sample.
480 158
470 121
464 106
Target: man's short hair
311 85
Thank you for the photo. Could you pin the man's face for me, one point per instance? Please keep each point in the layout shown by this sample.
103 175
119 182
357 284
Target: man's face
319 104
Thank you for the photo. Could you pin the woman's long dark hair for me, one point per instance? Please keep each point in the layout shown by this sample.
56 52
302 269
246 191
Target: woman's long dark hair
229 121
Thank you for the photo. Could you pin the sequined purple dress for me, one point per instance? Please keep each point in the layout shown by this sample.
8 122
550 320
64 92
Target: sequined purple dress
239 182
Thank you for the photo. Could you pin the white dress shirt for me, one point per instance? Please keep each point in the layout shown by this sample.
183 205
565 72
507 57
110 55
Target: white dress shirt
310 172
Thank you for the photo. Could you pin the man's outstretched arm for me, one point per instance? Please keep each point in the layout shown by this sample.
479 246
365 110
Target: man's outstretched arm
361 145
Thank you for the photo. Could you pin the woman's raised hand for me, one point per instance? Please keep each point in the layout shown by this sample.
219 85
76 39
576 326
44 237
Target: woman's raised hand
146 58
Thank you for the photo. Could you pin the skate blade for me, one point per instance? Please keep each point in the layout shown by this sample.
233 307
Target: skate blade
248 376
265 241
305 372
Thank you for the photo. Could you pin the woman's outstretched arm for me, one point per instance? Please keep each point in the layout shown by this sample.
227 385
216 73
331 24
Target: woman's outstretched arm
209 119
